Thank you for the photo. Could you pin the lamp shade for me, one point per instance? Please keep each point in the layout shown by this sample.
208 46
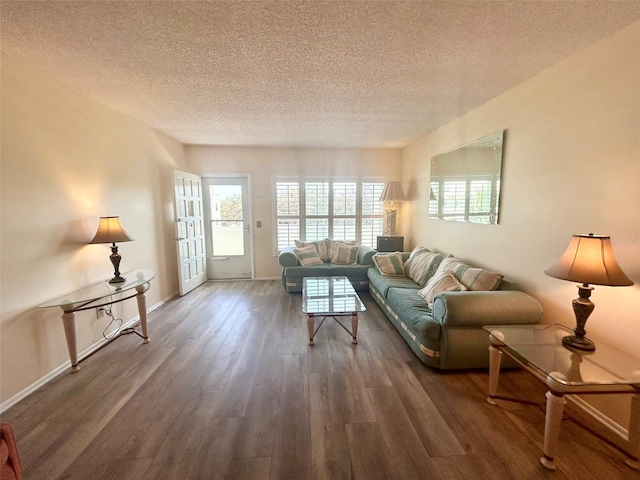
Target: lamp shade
392 192
110 230
589 259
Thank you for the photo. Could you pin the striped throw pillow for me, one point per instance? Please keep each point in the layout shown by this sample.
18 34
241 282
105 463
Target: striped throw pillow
475 279
322 247
307 255
440 282
389 264
422 264
332 244
345 254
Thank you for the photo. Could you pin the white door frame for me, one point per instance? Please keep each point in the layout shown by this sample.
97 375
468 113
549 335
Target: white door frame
249 213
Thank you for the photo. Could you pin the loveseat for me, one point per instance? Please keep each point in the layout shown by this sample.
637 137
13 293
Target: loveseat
443 324
334 258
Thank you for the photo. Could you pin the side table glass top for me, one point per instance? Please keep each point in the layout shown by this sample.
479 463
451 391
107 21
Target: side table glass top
329 295
103 289
540 346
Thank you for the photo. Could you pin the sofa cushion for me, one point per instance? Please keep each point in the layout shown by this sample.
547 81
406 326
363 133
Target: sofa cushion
416 316
350 271
345 254
321 246
384 283
320 270
389 264
422 264
475 279
308 256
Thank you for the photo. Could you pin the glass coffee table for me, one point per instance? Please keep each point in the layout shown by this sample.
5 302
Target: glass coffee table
335 297
539 349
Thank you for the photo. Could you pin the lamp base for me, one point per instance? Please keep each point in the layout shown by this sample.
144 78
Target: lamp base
115 261
578 343
390 230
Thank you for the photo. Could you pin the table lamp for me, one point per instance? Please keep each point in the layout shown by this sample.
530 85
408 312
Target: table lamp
588 259
393 193
110 230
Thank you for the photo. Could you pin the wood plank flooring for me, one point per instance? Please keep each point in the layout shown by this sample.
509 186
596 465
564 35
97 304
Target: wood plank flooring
228 388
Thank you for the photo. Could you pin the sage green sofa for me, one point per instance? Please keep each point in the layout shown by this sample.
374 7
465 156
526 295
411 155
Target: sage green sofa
449 334
293 272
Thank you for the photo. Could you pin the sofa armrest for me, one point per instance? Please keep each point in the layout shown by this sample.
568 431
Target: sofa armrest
476 309
365 255
288 258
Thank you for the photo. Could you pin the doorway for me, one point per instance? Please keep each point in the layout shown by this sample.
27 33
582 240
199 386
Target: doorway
228 223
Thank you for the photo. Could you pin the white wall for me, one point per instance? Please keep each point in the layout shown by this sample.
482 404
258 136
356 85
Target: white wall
571 165
263 163
66 161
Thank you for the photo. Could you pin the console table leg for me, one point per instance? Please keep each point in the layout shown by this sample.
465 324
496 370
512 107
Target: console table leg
354 327
68 318
495 358
634 433
142 311
553 418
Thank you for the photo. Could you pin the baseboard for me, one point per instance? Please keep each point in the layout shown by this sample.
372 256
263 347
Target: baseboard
66 365
268 278
599 416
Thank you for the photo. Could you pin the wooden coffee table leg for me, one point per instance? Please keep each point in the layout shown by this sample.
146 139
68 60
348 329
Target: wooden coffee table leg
354 327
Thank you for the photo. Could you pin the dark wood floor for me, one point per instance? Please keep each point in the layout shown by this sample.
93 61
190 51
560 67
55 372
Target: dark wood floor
229 388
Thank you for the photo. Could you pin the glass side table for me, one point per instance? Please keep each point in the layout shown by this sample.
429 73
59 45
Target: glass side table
99 295
539 349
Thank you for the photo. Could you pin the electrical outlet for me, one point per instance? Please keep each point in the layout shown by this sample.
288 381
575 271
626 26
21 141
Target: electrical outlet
99 312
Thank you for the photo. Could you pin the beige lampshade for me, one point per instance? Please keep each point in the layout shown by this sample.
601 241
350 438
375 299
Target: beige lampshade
589 259
392 192
110 230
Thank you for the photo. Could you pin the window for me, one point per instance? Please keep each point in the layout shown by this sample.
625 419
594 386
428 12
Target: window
340 209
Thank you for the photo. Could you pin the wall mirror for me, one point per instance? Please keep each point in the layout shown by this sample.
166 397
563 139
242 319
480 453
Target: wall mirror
465 182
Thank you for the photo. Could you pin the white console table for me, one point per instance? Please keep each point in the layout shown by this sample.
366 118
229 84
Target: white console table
99 295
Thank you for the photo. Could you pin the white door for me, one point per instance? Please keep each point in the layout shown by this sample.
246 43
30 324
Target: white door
189 231
228 227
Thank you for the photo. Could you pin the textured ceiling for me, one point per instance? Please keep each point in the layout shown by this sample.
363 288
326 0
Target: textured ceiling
301 73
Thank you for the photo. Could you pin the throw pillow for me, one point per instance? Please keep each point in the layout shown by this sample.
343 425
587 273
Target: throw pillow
475 279
307 255
389 264
331 245
345 254
321 247
422 264
442 282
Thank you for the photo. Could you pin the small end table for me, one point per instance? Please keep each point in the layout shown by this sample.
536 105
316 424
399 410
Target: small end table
539 349
390 244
